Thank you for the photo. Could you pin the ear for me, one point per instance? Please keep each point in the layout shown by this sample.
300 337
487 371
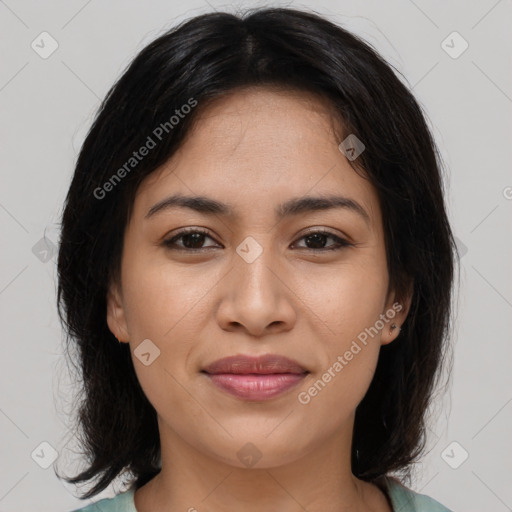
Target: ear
399 306
116 318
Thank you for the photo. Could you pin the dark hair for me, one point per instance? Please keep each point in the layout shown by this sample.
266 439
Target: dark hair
200 60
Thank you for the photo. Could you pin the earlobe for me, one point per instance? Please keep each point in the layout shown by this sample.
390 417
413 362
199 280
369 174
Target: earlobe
116 318
396 311
394 331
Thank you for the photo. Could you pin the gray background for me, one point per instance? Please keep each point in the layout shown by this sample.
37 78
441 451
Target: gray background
46 107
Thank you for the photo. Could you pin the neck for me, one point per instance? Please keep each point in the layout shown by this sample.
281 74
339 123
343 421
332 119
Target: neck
321 479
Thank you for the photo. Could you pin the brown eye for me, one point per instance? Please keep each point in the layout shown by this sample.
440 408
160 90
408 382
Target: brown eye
192 240
315 241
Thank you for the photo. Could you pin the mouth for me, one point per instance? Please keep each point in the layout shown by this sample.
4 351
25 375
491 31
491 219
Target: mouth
255 378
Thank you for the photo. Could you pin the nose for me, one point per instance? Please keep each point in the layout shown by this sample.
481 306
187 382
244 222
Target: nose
256 297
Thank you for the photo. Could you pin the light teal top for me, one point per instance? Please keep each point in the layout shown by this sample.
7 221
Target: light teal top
402 500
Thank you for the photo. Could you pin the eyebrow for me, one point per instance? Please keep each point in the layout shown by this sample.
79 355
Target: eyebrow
295 206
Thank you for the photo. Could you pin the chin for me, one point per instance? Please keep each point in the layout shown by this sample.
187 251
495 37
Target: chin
258 449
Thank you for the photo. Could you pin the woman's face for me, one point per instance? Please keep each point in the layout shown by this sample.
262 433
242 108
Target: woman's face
256 283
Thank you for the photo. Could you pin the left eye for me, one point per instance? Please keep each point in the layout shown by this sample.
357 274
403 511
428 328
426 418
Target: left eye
192 240
317 237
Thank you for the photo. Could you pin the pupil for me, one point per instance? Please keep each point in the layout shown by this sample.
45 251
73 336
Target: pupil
317 237
197 237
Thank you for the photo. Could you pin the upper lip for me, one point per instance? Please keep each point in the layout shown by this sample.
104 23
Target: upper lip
265 364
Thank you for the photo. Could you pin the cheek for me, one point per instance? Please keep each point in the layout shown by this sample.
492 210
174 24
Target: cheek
346 299
158 307
167 306
351 342
332 397
349 303
161 300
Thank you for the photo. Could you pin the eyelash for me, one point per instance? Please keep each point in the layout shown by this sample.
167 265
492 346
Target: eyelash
171 242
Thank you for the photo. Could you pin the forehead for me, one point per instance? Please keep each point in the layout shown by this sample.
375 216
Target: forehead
276 119
258 147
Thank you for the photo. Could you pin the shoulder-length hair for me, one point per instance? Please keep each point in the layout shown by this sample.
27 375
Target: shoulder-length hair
201 59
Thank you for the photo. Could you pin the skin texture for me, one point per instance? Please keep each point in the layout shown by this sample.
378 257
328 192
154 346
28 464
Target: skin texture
255 149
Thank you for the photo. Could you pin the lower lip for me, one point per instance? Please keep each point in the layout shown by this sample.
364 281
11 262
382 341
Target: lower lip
254 386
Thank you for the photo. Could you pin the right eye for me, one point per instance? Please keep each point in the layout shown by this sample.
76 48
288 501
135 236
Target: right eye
191 237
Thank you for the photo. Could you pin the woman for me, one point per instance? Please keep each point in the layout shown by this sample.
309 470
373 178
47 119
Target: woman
257 216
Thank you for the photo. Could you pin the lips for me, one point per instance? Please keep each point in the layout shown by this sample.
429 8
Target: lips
261 365
255 378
